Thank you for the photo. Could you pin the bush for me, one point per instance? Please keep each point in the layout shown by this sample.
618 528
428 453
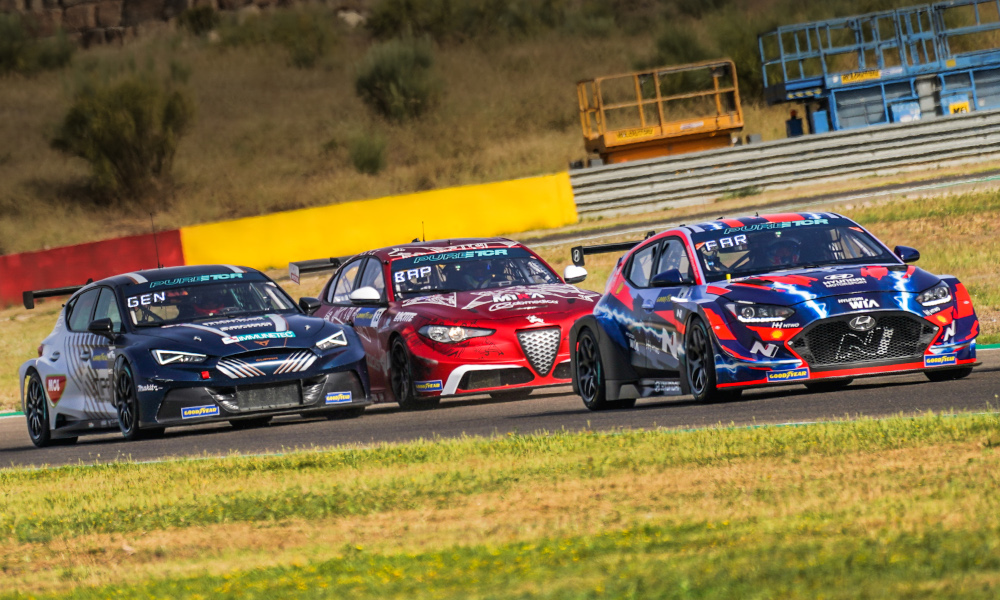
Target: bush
23 53
128 131
199 21
308 35
447 19
367 153
395 79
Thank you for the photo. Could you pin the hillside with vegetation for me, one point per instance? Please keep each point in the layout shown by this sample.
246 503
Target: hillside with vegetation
217 116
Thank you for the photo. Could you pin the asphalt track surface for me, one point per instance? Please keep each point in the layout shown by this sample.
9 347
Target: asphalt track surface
553 409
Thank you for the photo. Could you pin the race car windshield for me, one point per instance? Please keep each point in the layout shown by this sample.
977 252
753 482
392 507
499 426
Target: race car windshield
733 252
192 303
463 270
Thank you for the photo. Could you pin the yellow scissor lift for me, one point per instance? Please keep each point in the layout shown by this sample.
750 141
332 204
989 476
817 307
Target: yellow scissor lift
659 112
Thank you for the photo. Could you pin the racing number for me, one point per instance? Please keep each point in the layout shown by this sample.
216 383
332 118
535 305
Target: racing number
403 276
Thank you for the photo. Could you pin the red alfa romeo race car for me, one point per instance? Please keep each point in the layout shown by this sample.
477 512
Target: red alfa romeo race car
457 317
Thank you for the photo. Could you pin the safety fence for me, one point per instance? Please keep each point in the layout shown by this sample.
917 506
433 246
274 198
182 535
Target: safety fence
671 182
275 240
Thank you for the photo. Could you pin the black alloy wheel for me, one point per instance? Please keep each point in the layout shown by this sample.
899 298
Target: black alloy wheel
36 413
948 374
699 366
590 375
401 379
127 405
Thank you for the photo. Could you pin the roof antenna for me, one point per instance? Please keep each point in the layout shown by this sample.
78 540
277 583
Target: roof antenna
423 232
156 245
756 214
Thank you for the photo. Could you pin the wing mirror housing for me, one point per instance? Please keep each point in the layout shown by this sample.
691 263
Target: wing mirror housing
668 278
102 327
906 254
365 296
574 274
309 305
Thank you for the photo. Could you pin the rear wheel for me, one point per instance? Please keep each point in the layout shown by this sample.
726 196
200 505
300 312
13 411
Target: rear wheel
830 385
36 413
401 379
699 366
949 374
255 423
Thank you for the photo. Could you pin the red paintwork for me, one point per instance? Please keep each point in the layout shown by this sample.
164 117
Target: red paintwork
553 305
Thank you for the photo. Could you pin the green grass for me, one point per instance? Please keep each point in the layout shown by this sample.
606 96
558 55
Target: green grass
870 508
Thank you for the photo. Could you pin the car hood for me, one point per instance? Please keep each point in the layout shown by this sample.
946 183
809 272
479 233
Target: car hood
502 303
794 286
226 336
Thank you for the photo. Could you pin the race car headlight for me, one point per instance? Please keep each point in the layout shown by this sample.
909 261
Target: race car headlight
450 335
167 357
938 294
760 313
337 339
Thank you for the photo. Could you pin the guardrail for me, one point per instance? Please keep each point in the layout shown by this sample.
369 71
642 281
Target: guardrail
670 182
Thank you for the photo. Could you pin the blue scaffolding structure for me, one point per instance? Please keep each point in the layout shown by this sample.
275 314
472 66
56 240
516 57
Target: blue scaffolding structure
887 67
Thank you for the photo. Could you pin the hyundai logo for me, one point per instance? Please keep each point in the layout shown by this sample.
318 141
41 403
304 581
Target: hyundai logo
862 323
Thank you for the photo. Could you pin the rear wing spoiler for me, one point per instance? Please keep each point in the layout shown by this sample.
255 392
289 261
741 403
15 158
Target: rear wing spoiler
296 269
577 253
28 296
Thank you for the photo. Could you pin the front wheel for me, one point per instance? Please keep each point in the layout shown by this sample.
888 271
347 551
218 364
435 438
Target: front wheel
948 374
127 405
401 379
699 366
590 372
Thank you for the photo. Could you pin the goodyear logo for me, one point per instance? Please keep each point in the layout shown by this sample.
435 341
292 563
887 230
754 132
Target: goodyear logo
793 375
940 360
193 412
429 386
338 397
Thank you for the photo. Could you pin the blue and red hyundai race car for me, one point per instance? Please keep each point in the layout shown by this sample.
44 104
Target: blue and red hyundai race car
719 307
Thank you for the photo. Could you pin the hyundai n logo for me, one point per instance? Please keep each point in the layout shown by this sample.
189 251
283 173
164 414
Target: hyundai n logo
862 323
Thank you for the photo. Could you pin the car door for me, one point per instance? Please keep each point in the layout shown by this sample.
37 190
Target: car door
664 339
102 351
336 306
86 378
369 322
638 272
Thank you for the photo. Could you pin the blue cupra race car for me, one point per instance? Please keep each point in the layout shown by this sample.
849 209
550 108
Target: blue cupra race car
716 308
186 345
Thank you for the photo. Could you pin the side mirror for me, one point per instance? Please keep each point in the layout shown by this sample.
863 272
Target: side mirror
365 296
102 327
309 305
574 274
906 254
668 278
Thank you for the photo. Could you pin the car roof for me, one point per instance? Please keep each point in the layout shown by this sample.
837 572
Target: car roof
435 246
732 222
167 273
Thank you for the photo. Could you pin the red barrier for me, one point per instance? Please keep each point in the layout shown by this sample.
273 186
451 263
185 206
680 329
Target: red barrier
73 265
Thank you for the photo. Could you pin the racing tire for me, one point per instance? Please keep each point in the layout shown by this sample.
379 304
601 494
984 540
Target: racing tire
345 413
255 423
590 372
127 407
699 366
511 395
831 385
36 414
401 379
948 374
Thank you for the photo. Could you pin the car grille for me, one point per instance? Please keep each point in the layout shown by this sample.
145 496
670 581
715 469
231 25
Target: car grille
494 378
895 336
250 398
259 365
540 346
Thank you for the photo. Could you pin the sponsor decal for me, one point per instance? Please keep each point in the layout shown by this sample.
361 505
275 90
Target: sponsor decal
782 225
377 317
237 324
459 256
793 375
55 385
932 311
769 350
520 305
639 132
859 303
252 337
404 317
439 299
843 280
196 279
338 397
264 343
670 342
667 387
428 386
193 412
940 360
860 76
148 387
146 299
726 242
536 320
